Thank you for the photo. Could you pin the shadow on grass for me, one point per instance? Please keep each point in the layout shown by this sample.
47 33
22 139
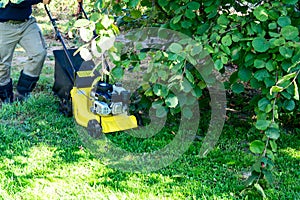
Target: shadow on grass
37 121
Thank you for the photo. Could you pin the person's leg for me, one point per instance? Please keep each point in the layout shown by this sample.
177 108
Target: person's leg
33 43
9 38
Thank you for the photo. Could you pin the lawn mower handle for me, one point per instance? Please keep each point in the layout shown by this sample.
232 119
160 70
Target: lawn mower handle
82 10
58 36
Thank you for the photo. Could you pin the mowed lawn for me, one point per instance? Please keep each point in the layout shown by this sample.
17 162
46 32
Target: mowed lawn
43 156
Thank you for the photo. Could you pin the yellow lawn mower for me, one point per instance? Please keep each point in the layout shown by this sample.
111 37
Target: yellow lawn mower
99 106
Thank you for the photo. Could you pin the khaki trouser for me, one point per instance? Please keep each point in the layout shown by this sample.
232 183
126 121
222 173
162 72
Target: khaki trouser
29 36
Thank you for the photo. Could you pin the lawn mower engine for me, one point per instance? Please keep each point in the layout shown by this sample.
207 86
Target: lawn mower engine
109 99
102 108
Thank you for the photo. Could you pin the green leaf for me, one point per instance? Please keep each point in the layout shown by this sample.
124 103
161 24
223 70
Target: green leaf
261 13
272 26
260 44
271 65
268 176
233 77
263 103
161 111
286 95
260 190
157 104
222 20
236 37
187 112
293 66
157 89
85 54
238 88
257 147
163 74
262 124
224 59
273 133
255 84
133 3
160 90
193 5
186 86
269 158
213 13
290 1
82 23
189 76
171 101
201 29
218 64
190 14
186 24
261 74
259 63
175 48
284 21
269 82
107 21
296 91
197 92
135 14
225 49
226 40
176 19
286 52
117 72
273 35
256 166
276 89
245 74
290 32
210 8
279 42
251 179
196 50
289 104
286 78
99 4
273 145
86 34
202 85
209 49
163 3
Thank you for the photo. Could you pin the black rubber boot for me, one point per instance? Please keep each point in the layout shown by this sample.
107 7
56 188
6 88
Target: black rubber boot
6 93
25 86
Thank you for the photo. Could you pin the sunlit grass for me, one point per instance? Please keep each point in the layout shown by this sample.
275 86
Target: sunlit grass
293 153
44 158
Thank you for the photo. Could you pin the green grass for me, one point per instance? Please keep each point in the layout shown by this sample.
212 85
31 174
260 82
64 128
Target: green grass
43 157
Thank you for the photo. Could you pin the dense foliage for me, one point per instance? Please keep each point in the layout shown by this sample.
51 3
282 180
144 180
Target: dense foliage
259 38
